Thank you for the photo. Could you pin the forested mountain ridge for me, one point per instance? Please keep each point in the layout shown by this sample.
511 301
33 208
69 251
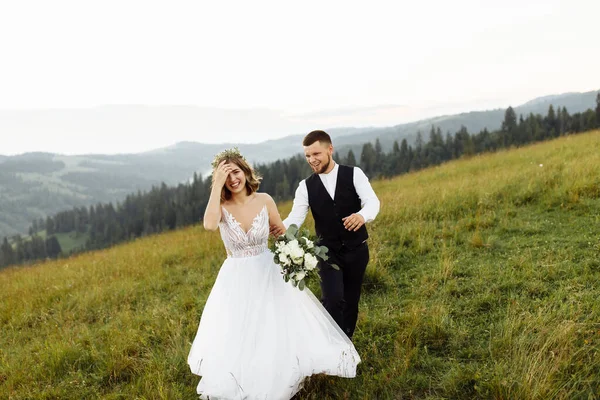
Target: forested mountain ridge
35 185
166 208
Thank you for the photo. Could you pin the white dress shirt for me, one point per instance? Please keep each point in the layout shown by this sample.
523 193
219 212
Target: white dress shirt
369 202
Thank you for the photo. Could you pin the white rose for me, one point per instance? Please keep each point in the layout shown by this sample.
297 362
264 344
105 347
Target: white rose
284 259
310 261
309 243
300 276
296 252
285 249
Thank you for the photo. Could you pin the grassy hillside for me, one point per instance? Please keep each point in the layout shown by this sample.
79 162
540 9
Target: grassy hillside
483 283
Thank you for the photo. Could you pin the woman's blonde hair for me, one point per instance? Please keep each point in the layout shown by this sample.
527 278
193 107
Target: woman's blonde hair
234 156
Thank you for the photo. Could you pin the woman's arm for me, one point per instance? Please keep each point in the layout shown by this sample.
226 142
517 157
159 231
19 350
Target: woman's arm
212 214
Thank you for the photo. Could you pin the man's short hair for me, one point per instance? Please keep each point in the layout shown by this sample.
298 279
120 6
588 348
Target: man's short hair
316 136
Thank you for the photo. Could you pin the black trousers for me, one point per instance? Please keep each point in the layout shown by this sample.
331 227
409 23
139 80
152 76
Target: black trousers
340 290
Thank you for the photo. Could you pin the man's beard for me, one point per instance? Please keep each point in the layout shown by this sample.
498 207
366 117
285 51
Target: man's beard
324 167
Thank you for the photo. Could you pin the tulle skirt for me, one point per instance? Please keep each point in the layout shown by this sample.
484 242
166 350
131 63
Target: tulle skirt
259 337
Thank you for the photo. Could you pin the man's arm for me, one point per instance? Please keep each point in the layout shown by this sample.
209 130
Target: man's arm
300 207
368 199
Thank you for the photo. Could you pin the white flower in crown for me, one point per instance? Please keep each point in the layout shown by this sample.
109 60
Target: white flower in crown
310 261
299 276
227 154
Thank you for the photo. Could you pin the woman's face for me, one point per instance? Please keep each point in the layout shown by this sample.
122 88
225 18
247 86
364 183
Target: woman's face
236 181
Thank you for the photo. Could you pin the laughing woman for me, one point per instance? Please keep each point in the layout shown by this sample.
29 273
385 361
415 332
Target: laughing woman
258 337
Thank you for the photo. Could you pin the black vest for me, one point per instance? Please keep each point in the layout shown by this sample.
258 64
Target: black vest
328 213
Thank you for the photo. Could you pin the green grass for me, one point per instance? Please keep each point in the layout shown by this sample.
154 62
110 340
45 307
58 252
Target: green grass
70 241
483 283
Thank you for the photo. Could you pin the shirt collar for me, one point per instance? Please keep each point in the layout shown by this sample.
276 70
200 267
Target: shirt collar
333 172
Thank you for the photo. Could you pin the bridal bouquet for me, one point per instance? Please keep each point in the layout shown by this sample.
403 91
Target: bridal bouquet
298 256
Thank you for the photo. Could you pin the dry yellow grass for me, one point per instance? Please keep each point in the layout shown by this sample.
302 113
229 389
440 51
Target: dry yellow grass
482 284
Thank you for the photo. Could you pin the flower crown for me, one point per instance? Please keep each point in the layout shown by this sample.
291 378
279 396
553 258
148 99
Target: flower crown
227 154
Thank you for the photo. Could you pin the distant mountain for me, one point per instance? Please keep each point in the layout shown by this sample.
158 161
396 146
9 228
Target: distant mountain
550 98
474 121
34 185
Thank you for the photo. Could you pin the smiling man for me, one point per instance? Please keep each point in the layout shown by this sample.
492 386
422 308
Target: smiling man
342 201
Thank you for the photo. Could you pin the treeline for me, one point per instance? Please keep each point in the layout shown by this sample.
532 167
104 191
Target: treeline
282 177
21 251
165 208
160 209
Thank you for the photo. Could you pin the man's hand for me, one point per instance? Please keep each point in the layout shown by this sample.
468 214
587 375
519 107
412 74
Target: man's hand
353 222
276 231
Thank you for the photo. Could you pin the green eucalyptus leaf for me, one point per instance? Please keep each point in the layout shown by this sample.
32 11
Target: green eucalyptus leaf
293 229
289 236
334 266
301 284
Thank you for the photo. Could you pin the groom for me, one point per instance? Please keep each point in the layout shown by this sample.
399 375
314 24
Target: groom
341 200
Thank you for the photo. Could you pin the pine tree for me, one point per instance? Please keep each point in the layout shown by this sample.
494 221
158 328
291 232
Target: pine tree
8 255
416 162
551 123
566 120
336 157
404 157
38 247
351 159
49 226
52 247
368 160
509 127
521 131
378 152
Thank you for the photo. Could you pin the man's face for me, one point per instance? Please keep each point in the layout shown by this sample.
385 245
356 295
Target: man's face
318 156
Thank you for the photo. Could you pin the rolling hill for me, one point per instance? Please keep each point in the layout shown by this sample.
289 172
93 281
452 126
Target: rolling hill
482 284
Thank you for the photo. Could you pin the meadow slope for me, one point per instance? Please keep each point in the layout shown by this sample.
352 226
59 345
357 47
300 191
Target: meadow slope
483 283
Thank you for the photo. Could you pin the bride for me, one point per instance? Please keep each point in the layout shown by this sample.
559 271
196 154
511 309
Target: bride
258 337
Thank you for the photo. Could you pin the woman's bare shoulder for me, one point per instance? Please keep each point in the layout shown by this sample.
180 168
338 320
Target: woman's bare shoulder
265 198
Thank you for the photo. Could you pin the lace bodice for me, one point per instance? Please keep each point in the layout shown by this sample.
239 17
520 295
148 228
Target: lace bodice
245 244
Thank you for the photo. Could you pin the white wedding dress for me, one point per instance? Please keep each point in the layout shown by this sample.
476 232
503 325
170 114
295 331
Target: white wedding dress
259 337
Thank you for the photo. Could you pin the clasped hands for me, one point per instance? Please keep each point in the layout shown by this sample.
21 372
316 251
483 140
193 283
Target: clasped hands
352 222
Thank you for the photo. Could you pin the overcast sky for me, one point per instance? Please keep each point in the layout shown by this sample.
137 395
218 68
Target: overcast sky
310 63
